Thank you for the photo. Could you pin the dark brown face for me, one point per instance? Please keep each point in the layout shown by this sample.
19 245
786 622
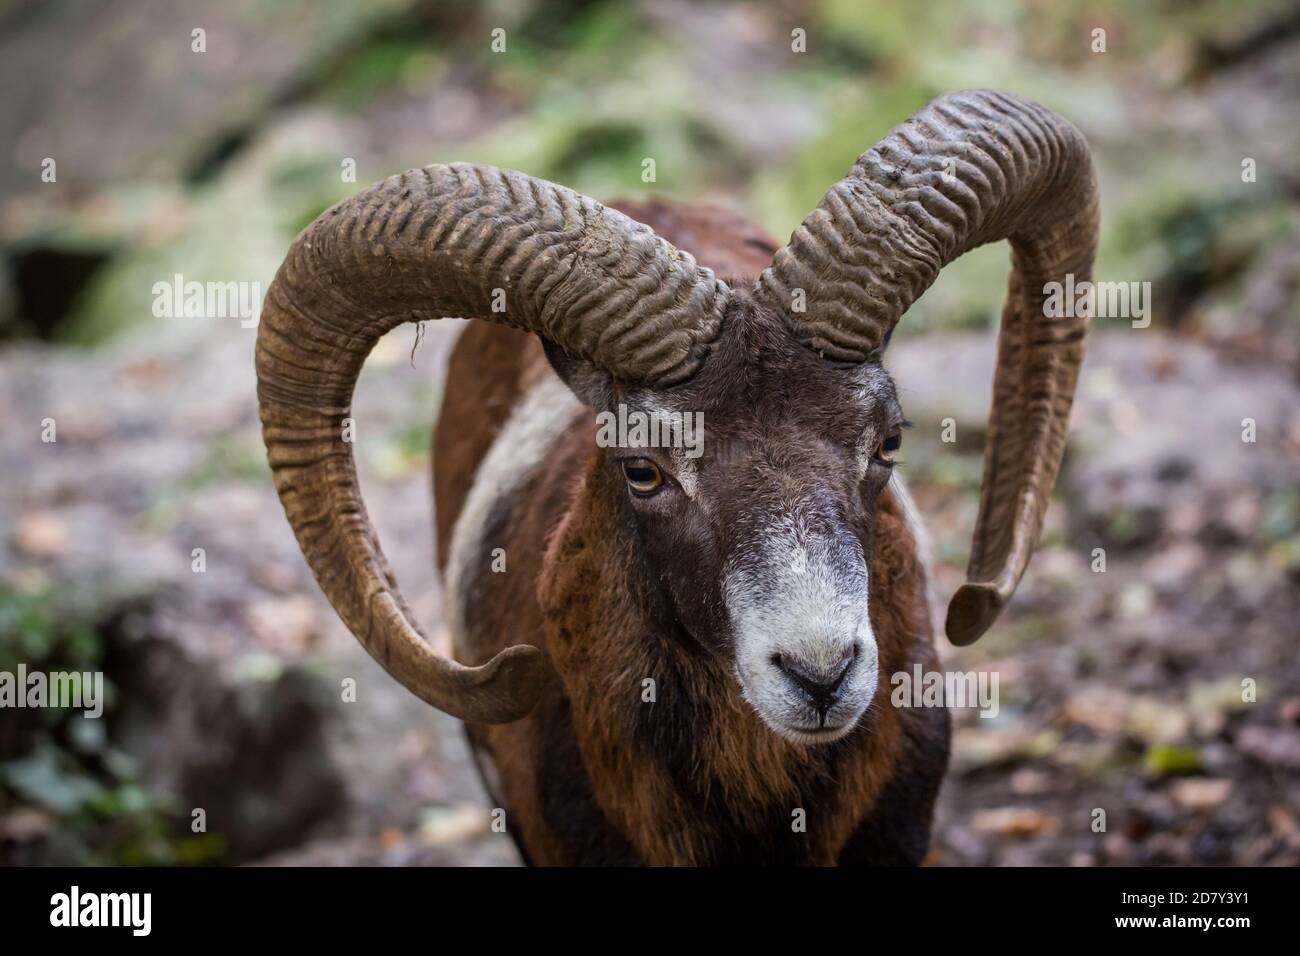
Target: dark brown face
750 496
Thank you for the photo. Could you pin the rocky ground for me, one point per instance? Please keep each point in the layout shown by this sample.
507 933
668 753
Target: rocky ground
1123 689
1163 690
1120 690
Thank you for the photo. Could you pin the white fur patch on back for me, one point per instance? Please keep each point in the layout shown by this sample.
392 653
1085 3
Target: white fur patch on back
912 518
541 417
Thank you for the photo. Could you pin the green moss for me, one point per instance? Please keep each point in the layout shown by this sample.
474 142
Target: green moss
66 763
380 65
36 628
1281 515
1165 761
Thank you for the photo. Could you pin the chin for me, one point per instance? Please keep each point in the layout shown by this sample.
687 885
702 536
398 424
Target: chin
794 720
798 724
813 737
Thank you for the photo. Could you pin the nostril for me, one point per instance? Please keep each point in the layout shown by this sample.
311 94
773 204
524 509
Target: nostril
821 691
833 689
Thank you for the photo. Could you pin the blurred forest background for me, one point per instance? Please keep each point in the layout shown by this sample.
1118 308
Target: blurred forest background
1121 689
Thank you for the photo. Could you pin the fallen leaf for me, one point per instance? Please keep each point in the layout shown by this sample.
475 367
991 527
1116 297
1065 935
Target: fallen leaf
1029 782
975 747
26 824
42 534
1200 793
1014 822
1276 746
1102 709
1157 722
1284 824
1107 710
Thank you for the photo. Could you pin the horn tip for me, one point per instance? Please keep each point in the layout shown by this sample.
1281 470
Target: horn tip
972 611
513 682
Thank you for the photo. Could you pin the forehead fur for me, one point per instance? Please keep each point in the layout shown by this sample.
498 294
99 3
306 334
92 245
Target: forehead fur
760 376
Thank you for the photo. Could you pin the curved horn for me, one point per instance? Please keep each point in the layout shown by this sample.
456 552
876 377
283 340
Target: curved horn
968 169
451 241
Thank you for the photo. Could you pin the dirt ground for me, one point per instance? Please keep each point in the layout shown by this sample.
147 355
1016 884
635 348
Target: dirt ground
1120 690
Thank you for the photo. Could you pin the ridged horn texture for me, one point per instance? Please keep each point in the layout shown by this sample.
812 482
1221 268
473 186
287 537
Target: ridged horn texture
968 169
451 241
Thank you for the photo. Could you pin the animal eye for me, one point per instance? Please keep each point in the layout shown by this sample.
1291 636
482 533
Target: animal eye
643 476
891 444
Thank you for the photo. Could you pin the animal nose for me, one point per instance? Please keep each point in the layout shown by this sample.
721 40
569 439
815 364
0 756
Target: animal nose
820 686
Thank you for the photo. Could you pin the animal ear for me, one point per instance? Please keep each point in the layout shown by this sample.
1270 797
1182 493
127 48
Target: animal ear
593 385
